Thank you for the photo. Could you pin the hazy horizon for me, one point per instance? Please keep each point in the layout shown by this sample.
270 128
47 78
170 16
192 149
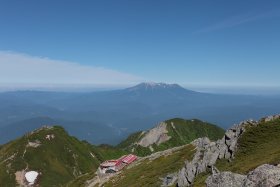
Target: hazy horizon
215 89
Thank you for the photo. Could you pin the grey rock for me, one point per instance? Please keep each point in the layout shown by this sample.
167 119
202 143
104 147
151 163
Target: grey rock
201 167
156 135
201 142
215 170
270 118
169 180
207 153
210 158
225 179
190 172
182 180
264 175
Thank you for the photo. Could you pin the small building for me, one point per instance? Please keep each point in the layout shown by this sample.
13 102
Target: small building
129 159
112 166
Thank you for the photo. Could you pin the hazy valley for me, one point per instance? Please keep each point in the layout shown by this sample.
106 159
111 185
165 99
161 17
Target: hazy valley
110 116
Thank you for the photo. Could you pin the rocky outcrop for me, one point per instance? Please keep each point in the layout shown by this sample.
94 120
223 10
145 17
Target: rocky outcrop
227 179
34 144
187 174
264 175
169 180
156 135
208 152
270 118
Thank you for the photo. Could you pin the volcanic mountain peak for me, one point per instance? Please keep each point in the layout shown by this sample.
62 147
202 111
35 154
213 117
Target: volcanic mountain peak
154 86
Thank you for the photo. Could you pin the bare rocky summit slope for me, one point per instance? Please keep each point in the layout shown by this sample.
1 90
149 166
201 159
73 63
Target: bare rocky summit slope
171 133
156 136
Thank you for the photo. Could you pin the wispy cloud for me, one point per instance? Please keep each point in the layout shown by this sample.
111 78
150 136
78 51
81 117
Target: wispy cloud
17 68
239 20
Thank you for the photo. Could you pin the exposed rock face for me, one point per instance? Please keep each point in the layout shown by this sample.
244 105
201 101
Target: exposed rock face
50 136
35 144
270 118
264 176
208 152
227 179
156 135
169 180
20 179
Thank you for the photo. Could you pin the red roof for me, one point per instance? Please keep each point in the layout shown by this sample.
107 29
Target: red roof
129 158
109 163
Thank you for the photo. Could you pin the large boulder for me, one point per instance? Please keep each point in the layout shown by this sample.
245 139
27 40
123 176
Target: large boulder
264 175
225 179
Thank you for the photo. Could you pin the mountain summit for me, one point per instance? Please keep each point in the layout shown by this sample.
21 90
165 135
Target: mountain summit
50 154
152 86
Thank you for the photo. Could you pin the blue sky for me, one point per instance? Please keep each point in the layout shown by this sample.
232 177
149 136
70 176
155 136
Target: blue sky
196 43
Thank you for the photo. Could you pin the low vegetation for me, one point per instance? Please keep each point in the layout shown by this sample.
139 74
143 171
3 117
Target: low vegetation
135 137
81 180
108 152
258 145
58 159
65 161
181 132
148 173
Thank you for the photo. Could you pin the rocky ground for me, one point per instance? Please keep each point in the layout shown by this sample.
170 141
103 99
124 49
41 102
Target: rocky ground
264 175
100 179
209 152
156 135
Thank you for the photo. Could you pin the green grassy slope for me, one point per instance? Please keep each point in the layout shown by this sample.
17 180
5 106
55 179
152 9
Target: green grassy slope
147 173
181 132
258 145
58 160
186 131
130 140
65 160
108 152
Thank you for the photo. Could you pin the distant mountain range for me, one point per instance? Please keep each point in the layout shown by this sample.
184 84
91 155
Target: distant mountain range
110 116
